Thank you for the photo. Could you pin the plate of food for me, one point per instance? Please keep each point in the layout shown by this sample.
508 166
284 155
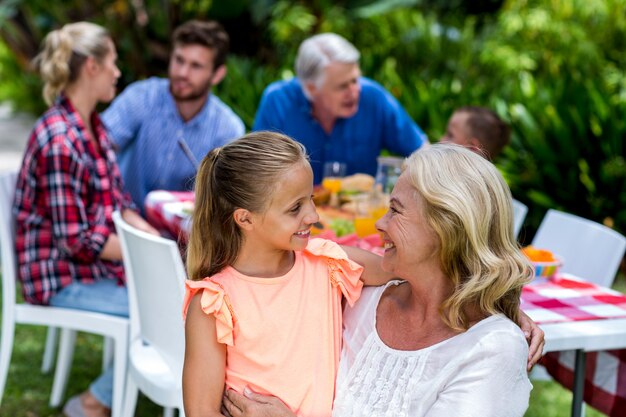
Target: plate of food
181 209
341 222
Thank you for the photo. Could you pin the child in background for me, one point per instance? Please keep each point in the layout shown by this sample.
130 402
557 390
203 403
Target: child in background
264 303
479 129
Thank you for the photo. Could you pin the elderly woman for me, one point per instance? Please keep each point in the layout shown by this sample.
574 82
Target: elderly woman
441 340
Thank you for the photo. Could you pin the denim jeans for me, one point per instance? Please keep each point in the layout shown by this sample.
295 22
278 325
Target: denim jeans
103 296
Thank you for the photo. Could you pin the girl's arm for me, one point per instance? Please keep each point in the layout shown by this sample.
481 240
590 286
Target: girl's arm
205 362
373 273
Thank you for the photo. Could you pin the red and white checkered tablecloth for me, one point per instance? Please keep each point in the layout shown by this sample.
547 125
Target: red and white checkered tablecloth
605 378
566 298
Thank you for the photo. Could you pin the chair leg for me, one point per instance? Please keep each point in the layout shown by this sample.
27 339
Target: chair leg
50 350
6 349
64 363
168 412
130 396
107 353
120 361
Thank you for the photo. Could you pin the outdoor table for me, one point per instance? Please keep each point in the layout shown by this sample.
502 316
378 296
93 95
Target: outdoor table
579 317
576 316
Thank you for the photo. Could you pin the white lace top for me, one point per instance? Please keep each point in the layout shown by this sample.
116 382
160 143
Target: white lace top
479 373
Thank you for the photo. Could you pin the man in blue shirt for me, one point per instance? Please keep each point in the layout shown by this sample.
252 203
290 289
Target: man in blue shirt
334 112
164 127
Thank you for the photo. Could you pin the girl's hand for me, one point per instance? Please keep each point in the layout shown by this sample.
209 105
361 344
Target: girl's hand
535 337
250 404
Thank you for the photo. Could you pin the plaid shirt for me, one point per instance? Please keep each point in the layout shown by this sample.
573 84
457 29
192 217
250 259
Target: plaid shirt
66 192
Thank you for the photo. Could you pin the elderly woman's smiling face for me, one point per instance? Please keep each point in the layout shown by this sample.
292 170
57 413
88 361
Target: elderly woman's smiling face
409 240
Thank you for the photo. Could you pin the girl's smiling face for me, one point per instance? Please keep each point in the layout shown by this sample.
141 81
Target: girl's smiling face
287 221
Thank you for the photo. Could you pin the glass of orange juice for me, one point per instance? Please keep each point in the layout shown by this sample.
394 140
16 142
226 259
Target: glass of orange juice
369 208
332 184
333 172
364 225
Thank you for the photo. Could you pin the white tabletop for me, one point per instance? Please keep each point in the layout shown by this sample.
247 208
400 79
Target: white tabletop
589 335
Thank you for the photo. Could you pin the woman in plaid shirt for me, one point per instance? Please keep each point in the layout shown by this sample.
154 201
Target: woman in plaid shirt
68 187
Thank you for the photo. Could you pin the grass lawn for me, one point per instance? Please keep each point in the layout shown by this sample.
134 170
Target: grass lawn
549 399
28 391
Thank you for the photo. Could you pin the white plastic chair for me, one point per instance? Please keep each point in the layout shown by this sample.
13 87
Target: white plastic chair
155 278
519 214
68 320
589 250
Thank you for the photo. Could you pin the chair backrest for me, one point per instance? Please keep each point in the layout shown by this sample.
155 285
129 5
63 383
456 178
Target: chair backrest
7 240
519 214
155 278
589 250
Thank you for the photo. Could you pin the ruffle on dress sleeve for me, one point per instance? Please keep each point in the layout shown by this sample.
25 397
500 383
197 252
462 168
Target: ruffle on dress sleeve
213 301
343 272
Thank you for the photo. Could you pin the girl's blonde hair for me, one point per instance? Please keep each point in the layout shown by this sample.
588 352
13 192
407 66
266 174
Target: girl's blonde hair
469 206
242 174
63 53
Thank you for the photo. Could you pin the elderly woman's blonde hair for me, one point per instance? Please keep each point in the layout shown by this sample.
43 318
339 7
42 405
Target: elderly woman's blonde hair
469 206
63 53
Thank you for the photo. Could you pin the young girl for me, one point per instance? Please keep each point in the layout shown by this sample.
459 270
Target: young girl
264 303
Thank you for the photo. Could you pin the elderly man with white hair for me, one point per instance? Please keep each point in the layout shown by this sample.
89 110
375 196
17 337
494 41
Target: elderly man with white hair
337 114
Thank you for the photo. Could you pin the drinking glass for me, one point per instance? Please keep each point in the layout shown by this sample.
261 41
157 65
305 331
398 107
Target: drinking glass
389 169
369 208
333 172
